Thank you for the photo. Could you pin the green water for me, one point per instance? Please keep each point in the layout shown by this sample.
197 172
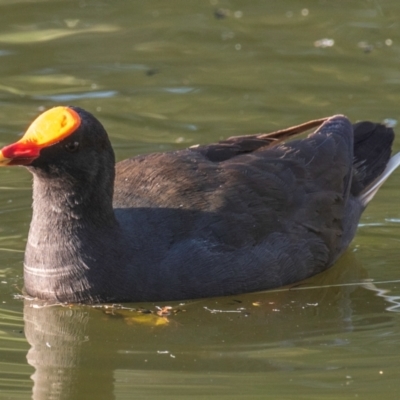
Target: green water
165 75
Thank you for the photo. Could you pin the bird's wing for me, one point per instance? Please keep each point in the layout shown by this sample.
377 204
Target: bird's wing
237 145
260 219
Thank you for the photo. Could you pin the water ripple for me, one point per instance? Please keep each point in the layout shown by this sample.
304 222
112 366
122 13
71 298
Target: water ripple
78 96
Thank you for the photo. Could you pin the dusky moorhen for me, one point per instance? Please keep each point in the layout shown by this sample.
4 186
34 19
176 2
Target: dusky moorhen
246 214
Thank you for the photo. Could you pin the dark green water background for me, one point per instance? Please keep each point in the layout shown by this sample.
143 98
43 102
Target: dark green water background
163 75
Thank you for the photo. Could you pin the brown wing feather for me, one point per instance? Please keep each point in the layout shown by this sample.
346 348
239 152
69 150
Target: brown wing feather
236 145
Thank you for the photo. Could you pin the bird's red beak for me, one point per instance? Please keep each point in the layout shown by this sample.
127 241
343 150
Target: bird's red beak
49 128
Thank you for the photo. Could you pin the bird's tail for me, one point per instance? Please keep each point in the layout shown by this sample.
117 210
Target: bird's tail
369 191
372 163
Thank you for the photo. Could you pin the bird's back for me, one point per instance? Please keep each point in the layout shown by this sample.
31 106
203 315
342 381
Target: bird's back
249 220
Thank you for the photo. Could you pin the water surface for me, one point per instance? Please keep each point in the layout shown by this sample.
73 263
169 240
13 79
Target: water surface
166 75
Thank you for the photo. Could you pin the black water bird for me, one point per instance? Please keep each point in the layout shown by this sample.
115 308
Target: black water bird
245 214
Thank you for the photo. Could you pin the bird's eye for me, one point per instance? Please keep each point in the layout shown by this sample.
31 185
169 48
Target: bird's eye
72 146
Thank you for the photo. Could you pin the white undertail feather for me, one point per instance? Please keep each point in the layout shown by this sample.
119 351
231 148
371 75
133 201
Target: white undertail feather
369 192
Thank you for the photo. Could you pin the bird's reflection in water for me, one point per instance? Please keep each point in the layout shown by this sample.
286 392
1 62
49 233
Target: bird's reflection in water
78 351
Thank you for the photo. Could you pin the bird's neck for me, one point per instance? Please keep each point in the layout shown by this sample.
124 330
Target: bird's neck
71 231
